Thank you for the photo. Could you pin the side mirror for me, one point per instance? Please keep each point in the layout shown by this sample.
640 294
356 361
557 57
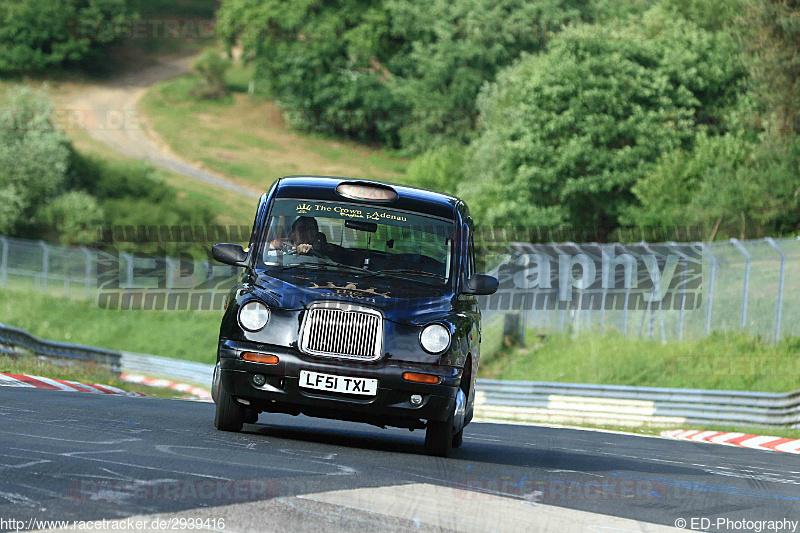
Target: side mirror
481 284
230 254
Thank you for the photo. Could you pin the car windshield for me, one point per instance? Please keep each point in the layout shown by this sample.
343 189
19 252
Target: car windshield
358 238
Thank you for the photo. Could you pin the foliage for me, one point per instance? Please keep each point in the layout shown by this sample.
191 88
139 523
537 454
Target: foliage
567 133
396 72
72 217
34 158
133 193
323 62
770 35
453 48
48 190
211 68
440 169
38 34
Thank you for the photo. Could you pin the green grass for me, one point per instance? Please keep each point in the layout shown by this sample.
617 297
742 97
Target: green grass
732 361
245 137
228 207
189 335
81 372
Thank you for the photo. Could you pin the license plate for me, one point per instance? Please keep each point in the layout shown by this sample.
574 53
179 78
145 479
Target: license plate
344 384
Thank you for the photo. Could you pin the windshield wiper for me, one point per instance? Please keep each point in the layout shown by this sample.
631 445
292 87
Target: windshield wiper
321 266
409 271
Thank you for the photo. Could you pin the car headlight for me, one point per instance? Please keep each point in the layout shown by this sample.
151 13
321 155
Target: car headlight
435 338
253 316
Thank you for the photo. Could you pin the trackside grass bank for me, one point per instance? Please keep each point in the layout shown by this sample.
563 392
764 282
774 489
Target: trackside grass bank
733 361
189 335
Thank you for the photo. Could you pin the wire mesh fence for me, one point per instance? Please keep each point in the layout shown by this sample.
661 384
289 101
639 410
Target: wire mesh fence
665 291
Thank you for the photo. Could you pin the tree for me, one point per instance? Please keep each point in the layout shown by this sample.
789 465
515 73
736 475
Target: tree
454 47
324 62
37 34
726 185
34 157
402 73
770 35
566 134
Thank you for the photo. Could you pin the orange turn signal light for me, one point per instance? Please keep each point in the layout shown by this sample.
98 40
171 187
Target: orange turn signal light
260 358
420 378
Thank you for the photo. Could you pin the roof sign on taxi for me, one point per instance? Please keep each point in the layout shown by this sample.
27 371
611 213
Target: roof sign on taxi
360 191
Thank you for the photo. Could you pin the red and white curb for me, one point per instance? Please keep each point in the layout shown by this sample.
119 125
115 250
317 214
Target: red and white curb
742 440
198 392
38 382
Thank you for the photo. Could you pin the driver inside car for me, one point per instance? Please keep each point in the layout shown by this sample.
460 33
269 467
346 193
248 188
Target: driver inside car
304 238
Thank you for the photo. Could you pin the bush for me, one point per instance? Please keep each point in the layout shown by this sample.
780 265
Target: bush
211 68
34 158
73 217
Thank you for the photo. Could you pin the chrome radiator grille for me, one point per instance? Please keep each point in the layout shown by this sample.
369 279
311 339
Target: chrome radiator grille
342 330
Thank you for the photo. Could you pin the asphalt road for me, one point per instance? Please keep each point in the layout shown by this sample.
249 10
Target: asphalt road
72 456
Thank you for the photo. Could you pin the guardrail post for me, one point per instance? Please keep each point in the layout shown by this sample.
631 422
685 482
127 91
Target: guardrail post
4 262
781 277
746 255
710 302
683 291
45 263
87 271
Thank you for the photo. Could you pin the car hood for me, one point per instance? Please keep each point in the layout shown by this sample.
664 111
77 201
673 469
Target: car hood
400 300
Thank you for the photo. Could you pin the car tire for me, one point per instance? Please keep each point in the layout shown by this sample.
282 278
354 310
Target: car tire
215 384
230 413
439 436
458 439
250 416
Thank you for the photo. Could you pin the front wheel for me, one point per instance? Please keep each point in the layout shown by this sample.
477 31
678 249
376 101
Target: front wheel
230 413
439 437
458 439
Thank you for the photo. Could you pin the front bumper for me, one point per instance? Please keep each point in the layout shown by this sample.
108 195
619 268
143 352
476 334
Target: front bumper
389 407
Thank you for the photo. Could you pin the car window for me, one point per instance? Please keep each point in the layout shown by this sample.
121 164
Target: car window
375 239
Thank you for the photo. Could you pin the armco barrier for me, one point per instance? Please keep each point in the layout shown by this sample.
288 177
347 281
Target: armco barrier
13 340
522 401
531 401
167 367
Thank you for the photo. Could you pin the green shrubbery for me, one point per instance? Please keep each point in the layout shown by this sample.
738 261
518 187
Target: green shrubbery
48 190
39 34
577 112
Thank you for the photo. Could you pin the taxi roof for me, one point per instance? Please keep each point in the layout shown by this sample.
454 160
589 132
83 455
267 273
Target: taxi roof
412 199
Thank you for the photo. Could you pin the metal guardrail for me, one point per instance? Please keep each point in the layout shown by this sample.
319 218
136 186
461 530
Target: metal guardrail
625 405
167 367
525 401
14 340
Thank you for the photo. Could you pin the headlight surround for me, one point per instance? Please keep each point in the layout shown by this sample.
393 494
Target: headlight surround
253 316
435 338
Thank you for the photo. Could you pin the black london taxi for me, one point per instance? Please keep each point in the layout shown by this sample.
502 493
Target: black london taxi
358 301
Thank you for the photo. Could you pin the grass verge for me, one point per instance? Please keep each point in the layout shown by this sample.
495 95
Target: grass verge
82 372
733 361
188 335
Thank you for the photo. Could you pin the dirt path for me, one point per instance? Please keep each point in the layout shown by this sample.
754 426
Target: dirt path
108 113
